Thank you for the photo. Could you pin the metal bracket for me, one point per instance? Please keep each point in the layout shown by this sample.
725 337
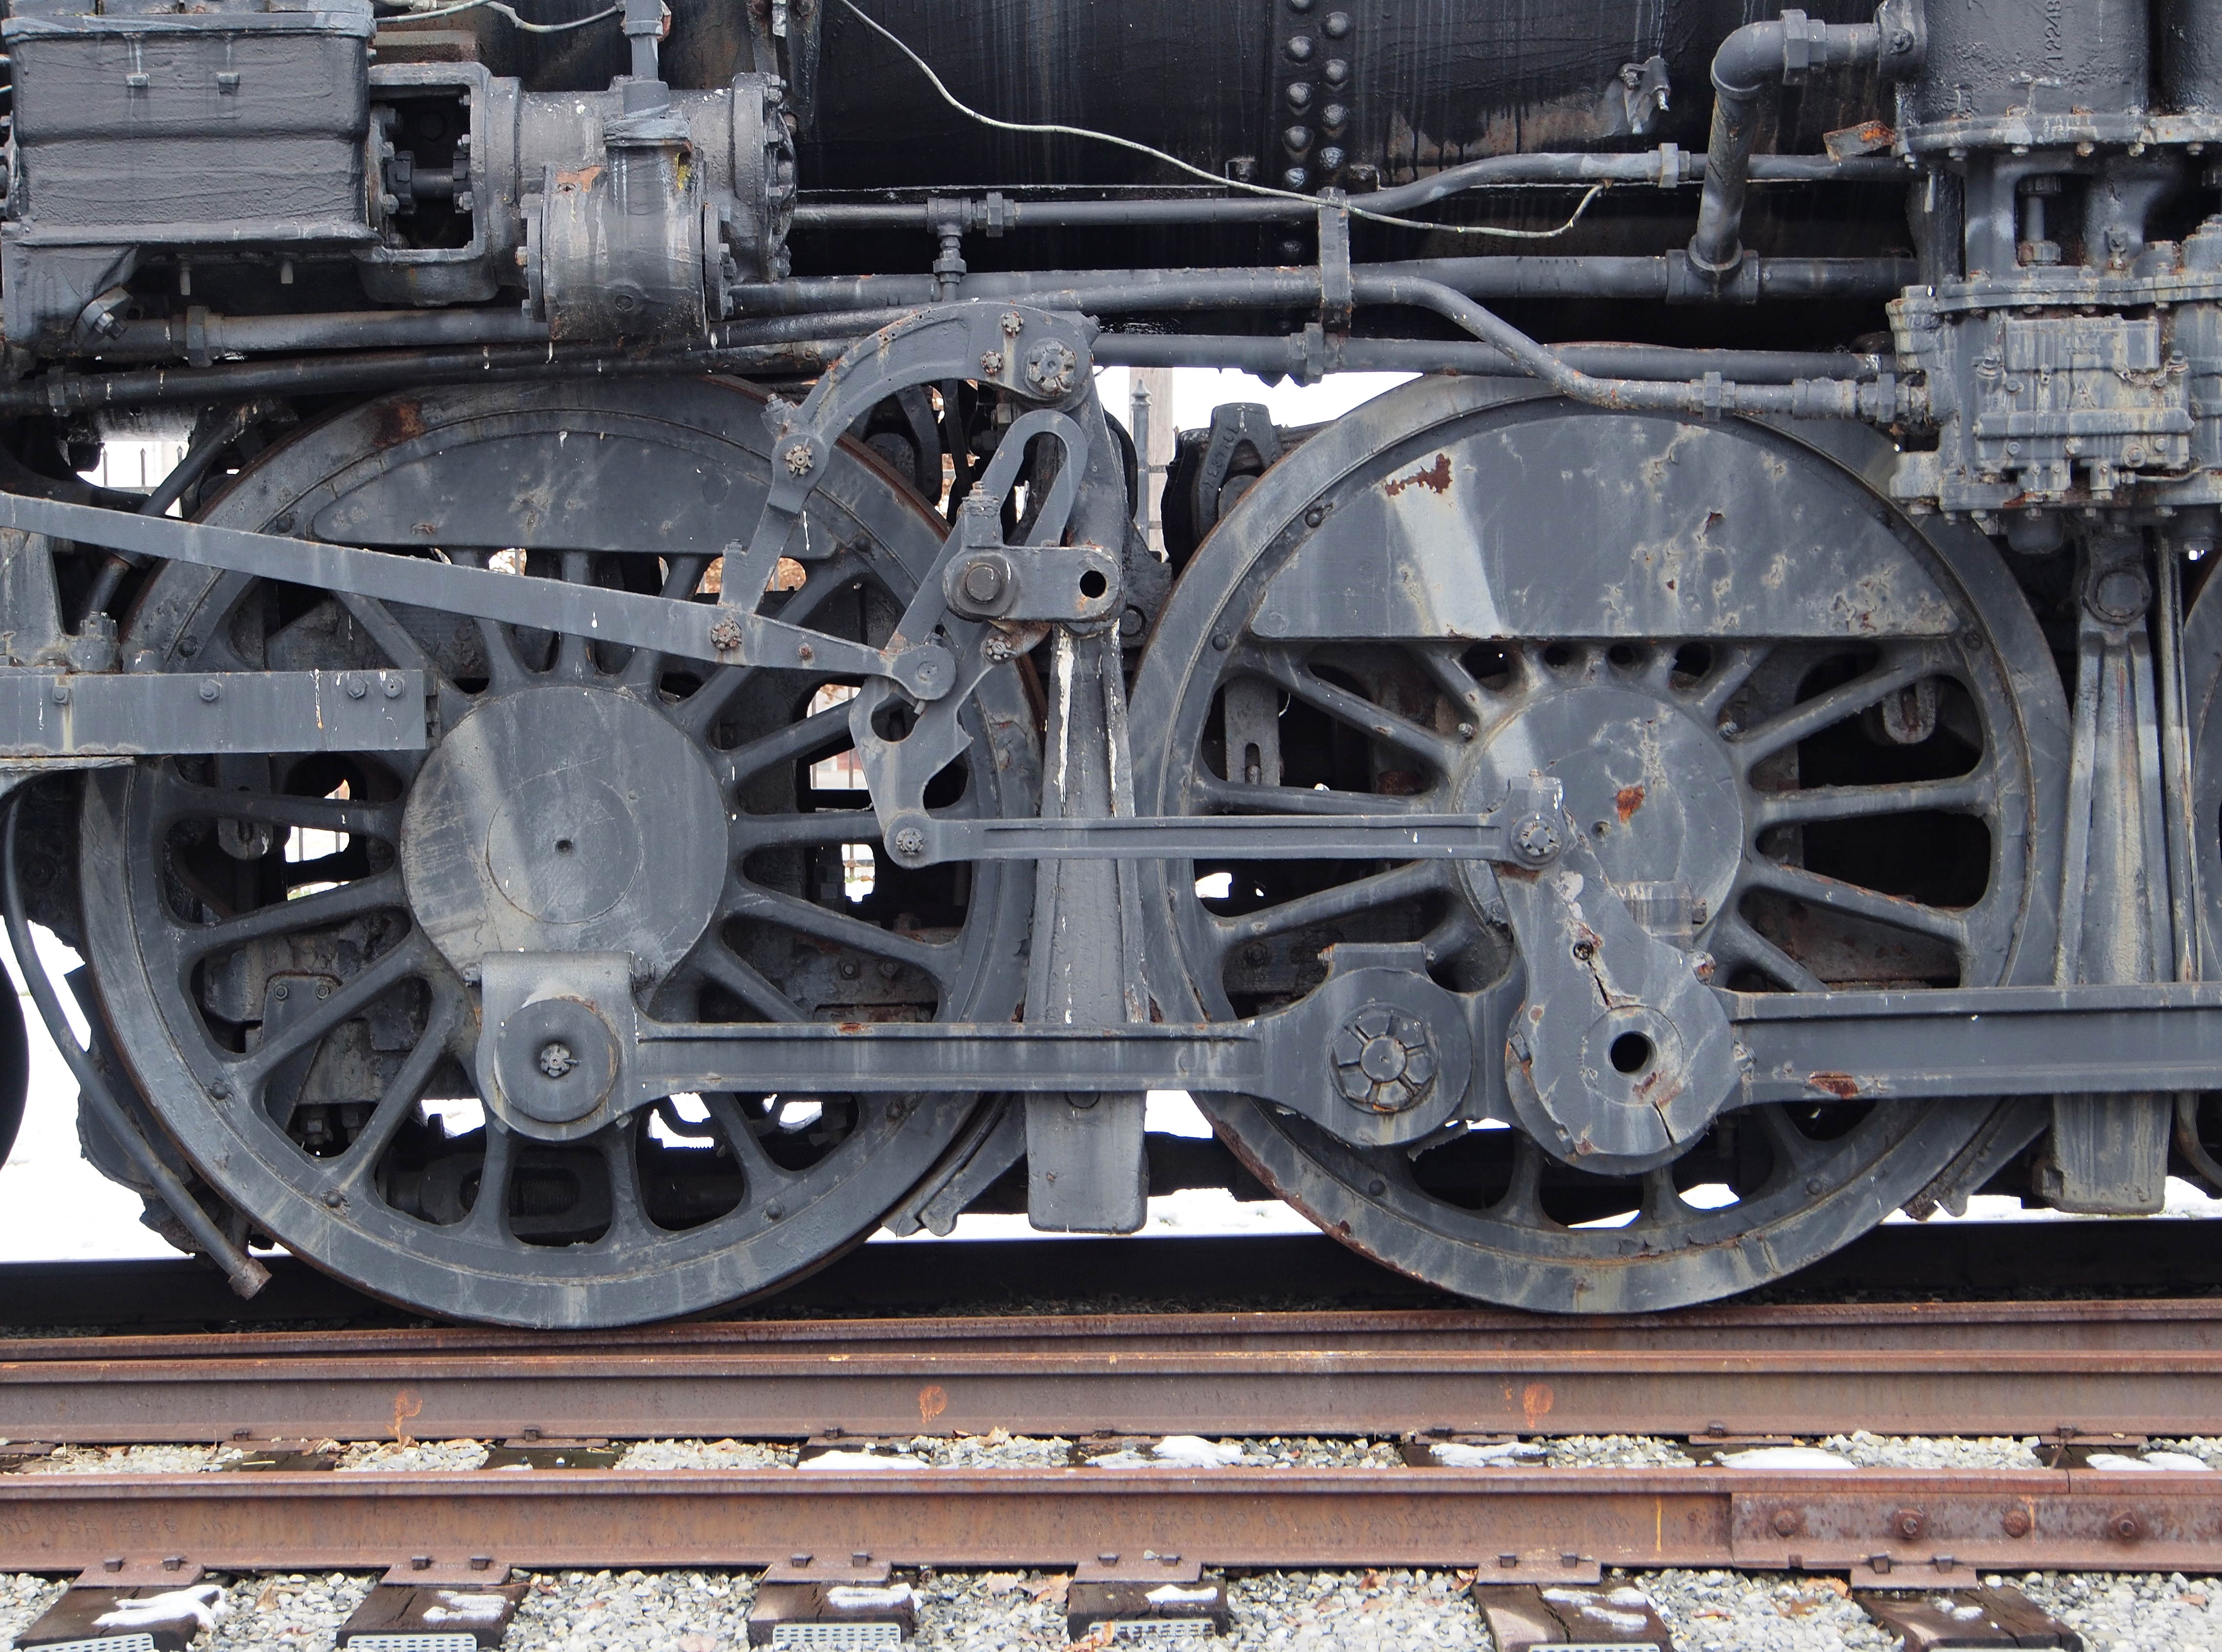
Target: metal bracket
1337 299
721 634
48 717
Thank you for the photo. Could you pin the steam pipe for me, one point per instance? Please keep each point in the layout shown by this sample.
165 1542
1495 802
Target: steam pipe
1757 58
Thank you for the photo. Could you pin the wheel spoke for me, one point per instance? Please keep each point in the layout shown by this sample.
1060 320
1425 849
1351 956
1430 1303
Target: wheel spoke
1735 942
183 799
488 1220
1522 1204
1344 900
718 963
628 1224
1963 794
574 653
747 900
379 891
821 731
682 576
407 655
1733 665
759 1173
353 996
1663 1206
700 710
1834 895
398 1102
1809 717
506 671
1358 712
1795 1152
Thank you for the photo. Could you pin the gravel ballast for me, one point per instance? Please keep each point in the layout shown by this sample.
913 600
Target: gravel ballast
1359 1610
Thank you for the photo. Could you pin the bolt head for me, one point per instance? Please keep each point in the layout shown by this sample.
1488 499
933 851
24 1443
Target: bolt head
210 691
356 688
908 841
1784 1523
799 460
983 581
555 1059
1050 367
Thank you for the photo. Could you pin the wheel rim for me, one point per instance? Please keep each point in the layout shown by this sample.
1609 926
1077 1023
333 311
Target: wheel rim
1633 724
290 1043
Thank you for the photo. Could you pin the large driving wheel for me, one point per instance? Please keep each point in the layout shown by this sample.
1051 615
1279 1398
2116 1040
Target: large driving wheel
1810 738
285 946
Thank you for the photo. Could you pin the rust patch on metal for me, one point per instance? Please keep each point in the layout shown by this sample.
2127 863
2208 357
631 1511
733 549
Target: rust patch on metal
406 1404
1435 477
1536 1402
1842 1086
397 422
933 1400
1627 801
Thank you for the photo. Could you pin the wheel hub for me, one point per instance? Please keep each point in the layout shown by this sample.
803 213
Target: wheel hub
1654 789
565 819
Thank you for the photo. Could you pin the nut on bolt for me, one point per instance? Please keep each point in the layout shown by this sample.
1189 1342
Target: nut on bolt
1050 367
799 460
983 580
1535 839
1384 1058
555 1060
908 841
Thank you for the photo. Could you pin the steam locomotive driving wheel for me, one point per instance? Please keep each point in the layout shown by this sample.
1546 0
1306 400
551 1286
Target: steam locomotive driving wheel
1809 742
288 948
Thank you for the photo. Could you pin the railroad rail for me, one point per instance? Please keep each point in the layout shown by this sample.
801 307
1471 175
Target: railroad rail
2108 1372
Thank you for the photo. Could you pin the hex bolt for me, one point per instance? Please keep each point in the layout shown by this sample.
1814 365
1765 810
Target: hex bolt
555 1059
799 460
1535 839
391 685
211 691
59 692
1013 323
352 682
1908 1523
908 841
991 362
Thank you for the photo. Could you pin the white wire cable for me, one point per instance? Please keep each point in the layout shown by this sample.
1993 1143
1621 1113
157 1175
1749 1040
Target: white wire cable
1048 129
414 11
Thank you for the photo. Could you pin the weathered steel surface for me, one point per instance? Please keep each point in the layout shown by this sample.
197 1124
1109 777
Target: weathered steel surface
2138 1368
1263 1517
